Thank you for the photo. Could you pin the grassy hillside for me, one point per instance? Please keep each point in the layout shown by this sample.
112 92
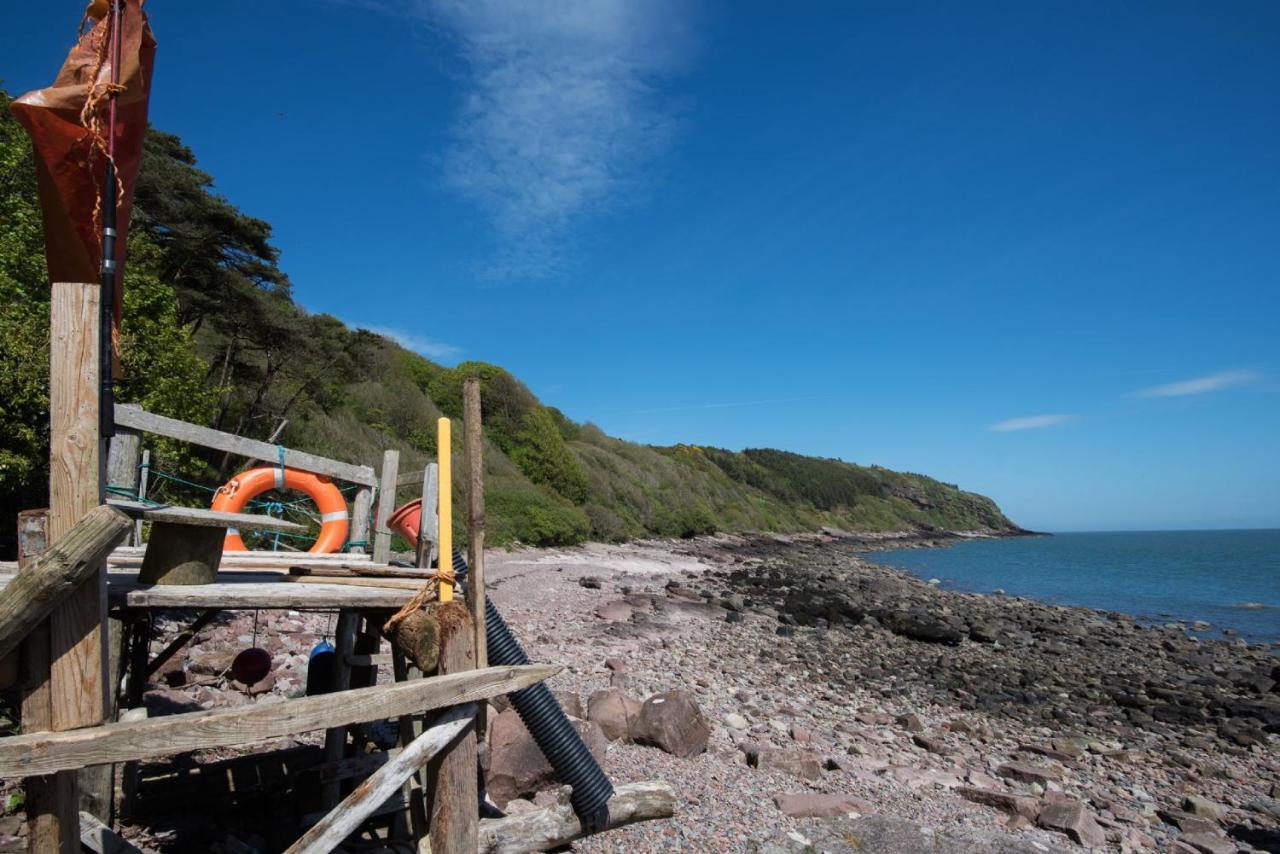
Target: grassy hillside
212 335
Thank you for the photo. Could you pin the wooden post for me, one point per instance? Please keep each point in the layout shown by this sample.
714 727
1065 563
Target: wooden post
144 472
454 797
386 503
78 677
360 509
335 739
474 446
41 792
124 453
428 522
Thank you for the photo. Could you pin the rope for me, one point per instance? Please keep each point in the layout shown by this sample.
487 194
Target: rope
422 597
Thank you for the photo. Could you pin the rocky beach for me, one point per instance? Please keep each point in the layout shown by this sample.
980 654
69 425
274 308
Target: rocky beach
801 698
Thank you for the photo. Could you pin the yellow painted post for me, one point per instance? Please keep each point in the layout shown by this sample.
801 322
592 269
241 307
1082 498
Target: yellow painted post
444 456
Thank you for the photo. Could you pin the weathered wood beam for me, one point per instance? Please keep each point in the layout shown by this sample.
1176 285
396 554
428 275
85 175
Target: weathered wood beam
47 752
386 503
148 422
556 826
201 517
473 446
100 839
454 796
233 594
35 592
329 832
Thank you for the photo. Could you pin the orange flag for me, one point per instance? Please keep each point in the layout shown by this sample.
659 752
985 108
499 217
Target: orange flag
68 125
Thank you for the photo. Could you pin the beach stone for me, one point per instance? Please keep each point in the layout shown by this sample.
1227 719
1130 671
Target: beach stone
571 703
921 626
1013 804
1265 806
911 722
614 712
673 722
1070 817
797 763
737 722
931 744
517 768
816 805
734 602
1027 773
1203 807
1208 843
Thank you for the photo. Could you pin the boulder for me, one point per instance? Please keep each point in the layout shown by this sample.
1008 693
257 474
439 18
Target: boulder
1070 817
1208 843
517 768
816 805
571 703
797 763
1028 808
614 712
921 626
1203 807
673 722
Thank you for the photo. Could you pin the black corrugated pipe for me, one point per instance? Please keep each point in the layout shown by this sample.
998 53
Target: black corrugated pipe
559 741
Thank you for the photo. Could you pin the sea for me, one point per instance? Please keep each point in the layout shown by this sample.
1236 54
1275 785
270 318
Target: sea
1230 579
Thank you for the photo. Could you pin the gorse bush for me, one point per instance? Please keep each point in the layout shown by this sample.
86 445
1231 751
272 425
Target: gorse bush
211 335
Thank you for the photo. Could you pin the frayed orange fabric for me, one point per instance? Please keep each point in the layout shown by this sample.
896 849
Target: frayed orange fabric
67 123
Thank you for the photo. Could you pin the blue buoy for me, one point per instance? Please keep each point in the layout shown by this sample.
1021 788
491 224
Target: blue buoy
320 669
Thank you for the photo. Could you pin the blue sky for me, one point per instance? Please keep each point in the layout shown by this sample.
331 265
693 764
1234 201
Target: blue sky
1030 248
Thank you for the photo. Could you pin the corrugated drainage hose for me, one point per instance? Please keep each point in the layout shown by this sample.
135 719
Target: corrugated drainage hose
559 741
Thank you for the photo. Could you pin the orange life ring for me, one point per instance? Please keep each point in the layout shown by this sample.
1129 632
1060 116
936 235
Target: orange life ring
247 485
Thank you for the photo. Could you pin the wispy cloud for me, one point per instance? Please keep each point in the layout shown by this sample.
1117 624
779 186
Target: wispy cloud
1199 385
561 114
693 406
1030 422
419 343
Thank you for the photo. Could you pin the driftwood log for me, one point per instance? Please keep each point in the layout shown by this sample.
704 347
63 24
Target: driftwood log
555 826
33 594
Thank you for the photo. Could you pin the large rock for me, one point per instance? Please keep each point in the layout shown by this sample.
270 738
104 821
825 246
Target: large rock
1027 773
1070 817
614 712
797 763
1026 807
673 722
921 626
817 805
517 768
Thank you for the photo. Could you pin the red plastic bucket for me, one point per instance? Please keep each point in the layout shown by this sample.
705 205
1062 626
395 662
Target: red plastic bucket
407 519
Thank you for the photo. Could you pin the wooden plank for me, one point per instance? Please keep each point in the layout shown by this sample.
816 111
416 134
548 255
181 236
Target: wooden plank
410 478
132 555
200 517
361 507
386 503
78 678
454 798
357 571
554 827
254 594
148 422
473 445
100 839
47 752
329 832
57 574
387 583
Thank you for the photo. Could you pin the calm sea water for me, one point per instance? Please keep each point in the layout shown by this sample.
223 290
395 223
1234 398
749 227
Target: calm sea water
1229 578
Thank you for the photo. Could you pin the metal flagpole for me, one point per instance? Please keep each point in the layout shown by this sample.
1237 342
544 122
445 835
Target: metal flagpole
110 200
